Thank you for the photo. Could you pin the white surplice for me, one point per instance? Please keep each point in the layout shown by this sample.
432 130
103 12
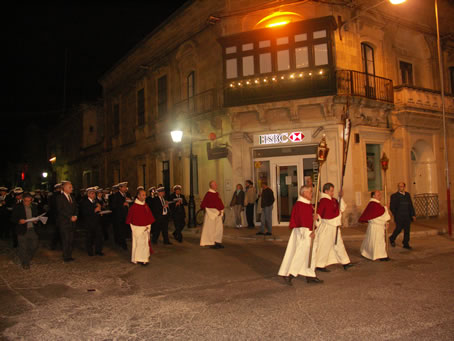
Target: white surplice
374 243
296 258
213 228
140 241
327 251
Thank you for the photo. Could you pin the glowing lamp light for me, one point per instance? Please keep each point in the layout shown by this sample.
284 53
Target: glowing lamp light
278 19
44 175
397 2
280 23
53 159
177 135
256 81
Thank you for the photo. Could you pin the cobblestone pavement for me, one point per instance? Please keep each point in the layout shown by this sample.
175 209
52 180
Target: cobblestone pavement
192 293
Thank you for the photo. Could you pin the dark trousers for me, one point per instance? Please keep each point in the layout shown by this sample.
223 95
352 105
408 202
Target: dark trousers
160 226
405 225
179 223
27 245
67 240
119 231
250 215
94 239
55 237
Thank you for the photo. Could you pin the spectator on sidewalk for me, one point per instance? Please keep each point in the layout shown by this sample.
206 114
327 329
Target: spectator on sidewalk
237 204
249 202
66 218
27 237
403 211
89 211
267 201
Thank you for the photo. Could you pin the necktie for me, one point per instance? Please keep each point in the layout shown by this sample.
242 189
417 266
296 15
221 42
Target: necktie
69 199
164 211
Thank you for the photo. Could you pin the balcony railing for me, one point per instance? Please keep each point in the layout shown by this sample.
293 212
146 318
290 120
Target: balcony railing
315 82
201 103
422 99
356 83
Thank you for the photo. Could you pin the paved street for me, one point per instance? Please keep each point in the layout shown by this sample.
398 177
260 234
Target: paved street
191 293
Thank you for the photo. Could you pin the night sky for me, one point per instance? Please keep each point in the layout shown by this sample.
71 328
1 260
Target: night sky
89 36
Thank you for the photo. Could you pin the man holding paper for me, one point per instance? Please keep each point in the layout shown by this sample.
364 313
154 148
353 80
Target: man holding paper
22 217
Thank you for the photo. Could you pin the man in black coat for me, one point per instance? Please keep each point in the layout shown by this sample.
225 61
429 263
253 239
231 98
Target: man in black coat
66 217
120 207
403 211
91 220
177 204
160 210
28 241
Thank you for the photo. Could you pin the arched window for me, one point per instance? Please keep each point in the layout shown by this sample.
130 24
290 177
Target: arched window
367 54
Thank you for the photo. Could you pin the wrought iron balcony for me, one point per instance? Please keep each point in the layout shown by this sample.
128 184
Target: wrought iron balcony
304 84
201 103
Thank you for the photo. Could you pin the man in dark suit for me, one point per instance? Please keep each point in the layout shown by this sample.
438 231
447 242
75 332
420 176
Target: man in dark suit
160 210
120 207
91 220
66 217
27 237
177 204
403 211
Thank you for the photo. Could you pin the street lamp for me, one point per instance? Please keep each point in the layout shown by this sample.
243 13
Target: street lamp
177 136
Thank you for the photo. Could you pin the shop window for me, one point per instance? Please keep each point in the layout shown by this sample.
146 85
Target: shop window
321 54
231 68
301 57
300 37
141 107
319 34
282 41
265 62
374 178
248 66
264 43
406 72
283 60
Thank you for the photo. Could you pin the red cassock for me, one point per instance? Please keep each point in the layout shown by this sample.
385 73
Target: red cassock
328 208
212 200
140 215
302 215
372 211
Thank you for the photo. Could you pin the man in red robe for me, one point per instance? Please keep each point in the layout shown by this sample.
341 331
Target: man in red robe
374 243
212 229
140 219
328 250
296 259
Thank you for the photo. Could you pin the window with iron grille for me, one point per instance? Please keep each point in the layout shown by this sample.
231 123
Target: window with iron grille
141 107
162 96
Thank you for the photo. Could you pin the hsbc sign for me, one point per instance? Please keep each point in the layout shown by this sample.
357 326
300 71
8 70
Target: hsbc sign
281 138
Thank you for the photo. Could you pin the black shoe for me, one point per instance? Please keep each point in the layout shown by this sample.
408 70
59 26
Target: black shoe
90 254
408 247
393 243
26 266
314 280
268 234
385 259
322 269
99 254
215 246
346 266
167 243
260 234
219 245
144 264
67 260
288 279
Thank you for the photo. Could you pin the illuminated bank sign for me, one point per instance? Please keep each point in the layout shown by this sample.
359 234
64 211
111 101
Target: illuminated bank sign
281 138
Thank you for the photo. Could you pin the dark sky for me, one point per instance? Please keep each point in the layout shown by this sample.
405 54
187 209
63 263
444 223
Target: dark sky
90 36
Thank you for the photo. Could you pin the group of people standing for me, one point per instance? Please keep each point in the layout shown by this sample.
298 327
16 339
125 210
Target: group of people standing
315 245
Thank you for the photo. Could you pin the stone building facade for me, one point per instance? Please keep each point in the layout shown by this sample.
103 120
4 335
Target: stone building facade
254 85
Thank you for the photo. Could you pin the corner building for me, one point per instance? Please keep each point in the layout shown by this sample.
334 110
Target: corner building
254 85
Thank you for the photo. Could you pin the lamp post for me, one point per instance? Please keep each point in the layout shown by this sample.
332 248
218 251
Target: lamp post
177 136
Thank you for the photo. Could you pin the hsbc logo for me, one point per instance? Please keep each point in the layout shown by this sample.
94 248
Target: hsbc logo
281 138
